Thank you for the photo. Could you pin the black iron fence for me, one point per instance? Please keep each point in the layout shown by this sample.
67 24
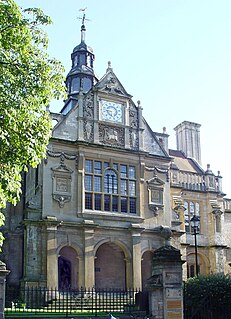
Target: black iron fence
73 302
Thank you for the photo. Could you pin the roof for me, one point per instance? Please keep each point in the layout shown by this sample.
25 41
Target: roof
183 163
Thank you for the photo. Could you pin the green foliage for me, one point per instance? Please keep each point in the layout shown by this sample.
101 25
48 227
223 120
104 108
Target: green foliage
29 80
212 291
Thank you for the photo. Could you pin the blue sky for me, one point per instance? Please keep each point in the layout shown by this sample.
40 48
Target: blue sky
172 55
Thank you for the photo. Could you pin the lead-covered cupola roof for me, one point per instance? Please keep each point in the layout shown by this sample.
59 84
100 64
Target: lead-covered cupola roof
81 77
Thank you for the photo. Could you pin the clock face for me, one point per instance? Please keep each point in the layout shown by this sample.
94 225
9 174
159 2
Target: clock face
112 111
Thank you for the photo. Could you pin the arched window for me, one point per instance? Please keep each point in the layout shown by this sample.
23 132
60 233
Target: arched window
110 182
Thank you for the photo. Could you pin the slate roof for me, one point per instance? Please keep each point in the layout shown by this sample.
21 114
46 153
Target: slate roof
183 163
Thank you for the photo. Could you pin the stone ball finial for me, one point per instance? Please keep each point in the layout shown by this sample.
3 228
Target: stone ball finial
164 129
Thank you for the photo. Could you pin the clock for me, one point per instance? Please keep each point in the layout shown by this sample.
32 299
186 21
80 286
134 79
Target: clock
111 111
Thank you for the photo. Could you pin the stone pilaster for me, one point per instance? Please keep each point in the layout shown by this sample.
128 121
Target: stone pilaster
136 253
89 274
52 258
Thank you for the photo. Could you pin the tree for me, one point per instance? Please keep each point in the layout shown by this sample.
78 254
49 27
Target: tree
208 296
29 80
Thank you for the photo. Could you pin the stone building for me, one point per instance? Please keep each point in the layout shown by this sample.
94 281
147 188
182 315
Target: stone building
110 193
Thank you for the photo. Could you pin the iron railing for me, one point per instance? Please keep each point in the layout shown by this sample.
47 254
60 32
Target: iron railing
68 302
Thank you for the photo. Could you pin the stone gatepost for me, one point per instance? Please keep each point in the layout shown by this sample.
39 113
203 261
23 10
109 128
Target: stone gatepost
3 273
165 284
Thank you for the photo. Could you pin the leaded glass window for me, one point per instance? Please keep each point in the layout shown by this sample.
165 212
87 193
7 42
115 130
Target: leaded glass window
191 209
110 187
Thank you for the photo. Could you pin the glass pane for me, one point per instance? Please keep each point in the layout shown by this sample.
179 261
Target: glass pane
106 164
98 184
192 272
191 207
97 202
88 166
82 59
88 182
187 228
123 171
124 205
97 167
132 205
115 204
197 209
132 172
88 201
110 182
107 203
115 166
132 188
75 85
186 207
123 187
87 84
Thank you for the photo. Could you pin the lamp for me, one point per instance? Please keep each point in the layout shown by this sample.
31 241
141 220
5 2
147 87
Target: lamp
195 222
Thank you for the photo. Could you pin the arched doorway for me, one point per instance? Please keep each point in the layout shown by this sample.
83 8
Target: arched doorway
146 266
68 268
110 267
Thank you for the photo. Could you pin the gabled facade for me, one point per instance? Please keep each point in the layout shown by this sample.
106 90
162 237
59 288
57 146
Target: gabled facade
109 194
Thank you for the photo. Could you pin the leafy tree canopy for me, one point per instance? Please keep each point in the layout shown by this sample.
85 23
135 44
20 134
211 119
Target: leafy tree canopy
29 80
211 292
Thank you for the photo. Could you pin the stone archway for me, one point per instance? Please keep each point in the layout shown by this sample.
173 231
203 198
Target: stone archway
68 268
203 264
146 266
110 267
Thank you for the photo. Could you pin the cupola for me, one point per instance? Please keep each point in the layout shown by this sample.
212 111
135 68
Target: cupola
81 76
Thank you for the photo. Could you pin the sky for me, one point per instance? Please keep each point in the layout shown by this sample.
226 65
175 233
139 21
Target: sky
172 55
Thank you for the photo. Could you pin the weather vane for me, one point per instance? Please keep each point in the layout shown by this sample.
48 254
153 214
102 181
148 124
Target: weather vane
84 15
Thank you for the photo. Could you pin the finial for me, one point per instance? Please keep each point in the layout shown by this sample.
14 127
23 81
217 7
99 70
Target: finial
109 68
164 129
139 105
83 29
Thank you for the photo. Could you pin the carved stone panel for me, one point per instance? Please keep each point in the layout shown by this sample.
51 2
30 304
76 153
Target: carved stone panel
134 142
111 135
88 108
113 86
155 192
88 131
61 185
133 117
61 175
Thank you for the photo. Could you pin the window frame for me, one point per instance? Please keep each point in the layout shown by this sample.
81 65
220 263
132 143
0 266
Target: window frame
193 208
120 196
